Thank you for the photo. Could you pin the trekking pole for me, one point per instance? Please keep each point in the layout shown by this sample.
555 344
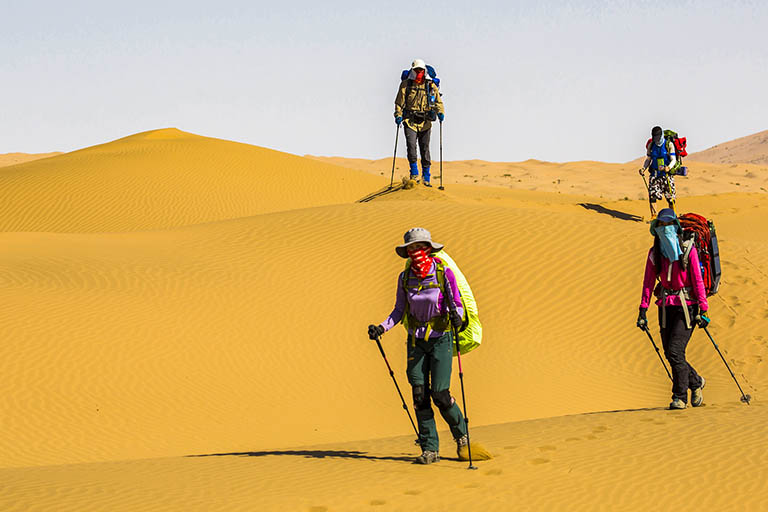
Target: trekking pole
645 329
648 188
452 305
441 157
392 374
394 156
744 398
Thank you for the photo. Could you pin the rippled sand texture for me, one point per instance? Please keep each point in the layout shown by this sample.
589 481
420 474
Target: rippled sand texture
177 363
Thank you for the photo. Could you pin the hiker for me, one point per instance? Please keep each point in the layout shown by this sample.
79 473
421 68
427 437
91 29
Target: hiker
682 301
421 300
417 104
662 160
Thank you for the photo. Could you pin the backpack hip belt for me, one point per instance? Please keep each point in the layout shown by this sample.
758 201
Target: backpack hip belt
685 295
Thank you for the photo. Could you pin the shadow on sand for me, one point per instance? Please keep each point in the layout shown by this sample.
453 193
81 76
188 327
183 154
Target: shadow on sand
310 454
616 214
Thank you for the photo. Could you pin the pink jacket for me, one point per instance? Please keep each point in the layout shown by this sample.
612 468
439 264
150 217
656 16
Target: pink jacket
690 278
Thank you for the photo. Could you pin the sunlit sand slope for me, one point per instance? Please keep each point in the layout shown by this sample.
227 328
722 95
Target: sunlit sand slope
20 158
752 149
627 460
249 334
166 178
595 179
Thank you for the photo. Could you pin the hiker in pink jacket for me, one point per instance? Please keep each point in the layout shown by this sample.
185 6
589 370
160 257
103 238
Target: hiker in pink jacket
682 301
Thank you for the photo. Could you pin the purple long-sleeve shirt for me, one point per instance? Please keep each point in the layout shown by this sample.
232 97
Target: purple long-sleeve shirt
424 303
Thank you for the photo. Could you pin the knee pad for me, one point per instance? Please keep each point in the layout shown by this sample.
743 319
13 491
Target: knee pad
443 399
421 398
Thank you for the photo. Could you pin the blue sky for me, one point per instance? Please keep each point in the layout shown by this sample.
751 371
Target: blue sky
561 81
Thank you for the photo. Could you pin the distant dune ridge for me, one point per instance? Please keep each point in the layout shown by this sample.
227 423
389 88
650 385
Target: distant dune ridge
184 328
8 159
752 149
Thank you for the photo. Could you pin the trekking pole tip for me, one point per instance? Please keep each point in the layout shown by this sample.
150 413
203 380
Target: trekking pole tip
746 399
472 467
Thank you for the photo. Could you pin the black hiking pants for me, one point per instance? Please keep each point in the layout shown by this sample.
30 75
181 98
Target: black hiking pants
674 338
414 138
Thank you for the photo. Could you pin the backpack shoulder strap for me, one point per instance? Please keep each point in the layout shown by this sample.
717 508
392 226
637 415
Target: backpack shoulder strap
688 246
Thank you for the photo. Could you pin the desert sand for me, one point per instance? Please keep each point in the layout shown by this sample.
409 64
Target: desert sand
7 159
183 330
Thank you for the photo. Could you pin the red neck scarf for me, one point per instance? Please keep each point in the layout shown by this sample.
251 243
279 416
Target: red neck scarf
421 261
420 77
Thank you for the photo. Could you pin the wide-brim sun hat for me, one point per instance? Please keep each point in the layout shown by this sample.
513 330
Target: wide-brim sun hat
415 235
666 215
418 63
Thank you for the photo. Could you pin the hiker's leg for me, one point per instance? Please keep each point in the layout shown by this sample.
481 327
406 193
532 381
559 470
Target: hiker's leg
418 377
411 142
442 361
654 189
674 338
694 379
424 137
670 193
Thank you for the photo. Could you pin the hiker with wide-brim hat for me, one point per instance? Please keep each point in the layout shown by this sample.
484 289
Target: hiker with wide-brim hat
420 300
682 301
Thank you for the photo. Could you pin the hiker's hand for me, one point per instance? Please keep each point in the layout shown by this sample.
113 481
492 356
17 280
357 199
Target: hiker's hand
642 320
398 120
641 171
441 116
702 320
456 319
374 331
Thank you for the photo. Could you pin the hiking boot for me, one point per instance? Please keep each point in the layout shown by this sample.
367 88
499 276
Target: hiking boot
677 404
427 184
415 177
427 457
697 397
461 445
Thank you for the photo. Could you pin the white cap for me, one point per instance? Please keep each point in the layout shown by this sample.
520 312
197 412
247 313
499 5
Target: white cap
418 63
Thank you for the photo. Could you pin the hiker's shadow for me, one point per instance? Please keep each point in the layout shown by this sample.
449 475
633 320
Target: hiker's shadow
311 454
616 214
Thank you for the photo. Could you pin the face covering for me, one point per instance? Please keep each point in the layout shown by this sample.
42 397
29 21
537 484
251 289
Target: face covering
670 244
421 261
658 140
420 77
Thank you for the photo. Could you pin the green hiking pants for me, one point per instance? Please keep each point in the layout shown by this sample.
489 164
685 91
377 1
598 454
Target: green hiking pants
429 373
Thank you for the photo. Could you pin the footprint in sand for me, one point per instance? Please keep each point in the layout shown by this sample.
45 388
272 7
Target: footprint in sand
318 509
573 439
493 472
413 493
539 461
510 447
591 437
599 428
375 503
547 448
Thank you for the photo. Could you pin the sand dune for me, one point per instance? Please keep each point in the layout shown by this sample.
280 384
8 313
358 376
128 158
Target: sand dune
8 159
245 335
165 178
594 179
752 149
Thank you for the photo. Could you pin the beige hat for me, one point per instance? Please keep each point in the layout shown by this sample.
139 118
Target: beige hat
418 63
413 236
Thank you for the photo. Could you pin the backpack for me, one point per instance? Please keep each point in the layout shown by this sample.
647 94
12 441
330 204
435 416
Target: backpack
431 73
700 232
680 144
471 331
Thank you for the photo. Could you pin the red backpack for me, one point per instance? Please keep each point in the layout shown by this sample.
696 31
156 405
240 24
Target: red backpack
701 232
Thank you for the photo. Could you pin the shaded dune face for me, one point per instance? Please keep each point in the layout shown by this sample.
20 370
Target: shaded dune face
246 336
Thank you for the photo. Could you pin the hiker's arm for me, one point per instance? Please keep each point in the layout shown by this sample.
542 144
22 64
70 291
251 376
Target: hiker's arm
450 280
697 280
397 314
649 280
400 100
672 156
438 99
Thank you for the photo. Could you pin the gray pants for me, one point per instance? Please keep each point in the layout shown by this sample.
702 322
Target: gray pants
412 138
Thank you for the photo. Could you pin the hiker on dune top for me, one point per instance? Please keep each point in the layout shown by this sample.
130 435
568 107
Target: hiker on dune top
663 162
682 301
420 298
417 104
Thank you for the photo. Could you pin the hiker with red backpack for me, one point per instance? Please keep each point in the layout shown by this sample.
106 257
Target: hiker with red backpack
417 105
681 295
664 152
424 307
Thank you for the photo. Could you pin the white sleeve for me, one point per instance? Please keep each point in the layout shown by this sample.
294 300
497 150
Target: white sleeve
672 155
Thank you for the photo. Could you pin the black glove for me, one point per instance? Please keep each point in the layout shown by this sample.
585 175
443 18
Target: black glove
374 331
642 320
702 320
456 319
